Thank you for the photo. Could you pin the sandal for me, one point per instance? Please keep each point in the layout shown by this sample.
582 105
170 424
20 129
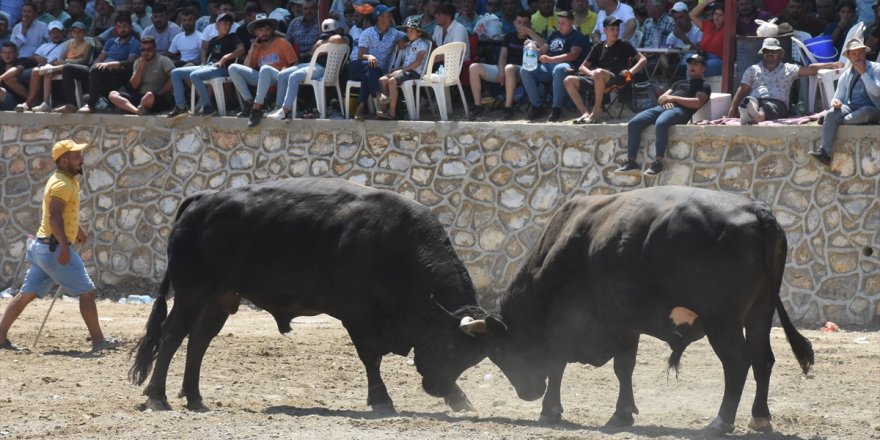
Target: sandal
106 344
581 120
8 345
359 116
385 116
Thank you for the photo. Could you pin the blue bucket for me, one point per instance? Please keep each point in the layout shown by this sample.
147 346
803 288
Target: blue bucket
822 48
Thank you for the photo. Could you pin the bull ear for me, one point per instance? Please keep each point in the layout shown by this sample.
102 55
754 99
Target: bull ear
471 326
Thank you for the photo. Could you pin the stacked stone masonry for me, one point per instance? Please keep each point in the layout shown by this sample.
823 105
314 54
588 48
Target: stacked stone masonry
493 186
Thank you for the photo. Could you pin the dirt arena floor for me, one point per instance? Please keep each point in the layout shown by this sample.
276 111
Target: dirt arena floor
310 384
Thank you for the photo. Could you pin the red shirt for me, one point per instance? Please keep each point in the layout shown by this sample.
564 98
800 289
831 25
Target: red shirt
713 39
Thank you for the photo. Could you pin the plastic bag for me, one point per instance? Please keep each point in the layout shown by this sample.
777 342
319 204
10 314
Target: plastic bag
767 28
488 26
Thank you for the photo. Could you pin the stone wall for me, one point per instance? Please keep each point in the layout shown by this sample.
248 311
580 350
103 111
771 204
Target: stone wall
493 185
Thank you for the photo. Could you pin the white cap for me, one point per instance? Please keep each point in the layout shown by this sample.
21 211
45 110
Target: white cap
56 25
680 7
329 25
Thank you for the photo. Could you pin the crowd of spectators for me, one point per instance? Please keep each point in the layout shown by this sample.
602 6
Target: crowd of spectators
142 56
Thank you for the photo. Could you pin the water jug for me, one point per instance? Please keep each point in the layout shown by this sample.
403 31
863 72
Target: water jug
530 55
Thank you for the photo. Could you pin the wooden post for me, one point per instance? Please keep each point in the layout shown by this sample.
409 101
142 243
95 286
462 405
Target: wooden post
729 50
323 10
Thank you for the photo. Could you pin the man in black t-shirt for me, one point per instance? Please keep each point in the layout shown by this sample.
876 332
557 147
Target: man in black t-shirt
221 51
607 65
677 106
506 72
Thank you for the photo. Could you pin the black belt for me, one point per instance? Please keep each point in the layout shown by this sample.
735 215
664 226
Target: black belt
44 240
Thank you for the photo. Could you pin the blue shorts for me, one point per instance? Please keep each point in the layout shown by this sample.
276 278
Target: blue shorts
45 271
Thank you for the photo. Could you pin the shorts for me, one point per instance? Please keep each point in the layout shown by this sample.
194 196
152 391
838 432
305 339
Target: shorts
45 271
586 82
401 76
161 103
773 108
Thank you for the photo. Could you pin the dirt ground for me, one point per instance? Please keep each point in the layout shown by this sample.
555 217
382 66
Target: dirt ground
310 384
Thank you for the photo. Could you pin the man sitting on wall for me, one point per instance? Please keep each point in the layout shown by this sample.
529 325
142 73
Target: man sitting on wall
150 85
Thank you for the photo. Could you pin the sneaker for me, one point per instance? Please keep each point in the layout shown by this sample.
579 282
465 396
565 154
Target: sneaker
106 344
655 169
178 112
8 345
245 112
67 108
42 108
208 110
476 111
23 107
142 110
555 115
279 115
256 115
535 113
508 113
821 156
84 109
629 166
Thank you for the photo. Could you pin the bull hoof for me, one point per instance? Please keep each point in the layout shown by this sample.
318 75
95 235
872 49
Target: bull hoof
197 406
384 409
181 394
157 405
619 421
459 403
718 427
761 424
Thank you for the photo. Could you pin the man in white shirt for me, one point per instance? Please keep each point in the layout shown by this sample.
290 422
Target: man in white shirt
162 30
619 10
186 46
448 30
226 7
29 33
46 53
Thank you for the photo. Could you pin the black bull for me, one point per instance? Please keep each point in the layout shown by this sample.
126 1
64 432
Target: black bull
381 264
675 263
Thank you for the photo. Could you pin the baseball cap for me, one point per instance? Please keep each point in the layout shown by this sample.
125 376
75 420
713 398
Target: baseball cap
381 9
564 14
696 58
329 25
226 16
66 145
56 25
79 25
680 7
611 21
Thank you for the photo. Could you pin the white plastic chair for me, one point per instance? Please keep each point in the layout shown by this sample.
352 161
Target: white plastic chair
453 58
219 94
827 77
336 56
636 39
807 58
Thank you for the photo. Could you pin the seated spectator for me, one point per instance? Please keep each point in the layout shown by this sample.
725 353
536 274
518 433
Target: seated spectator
29 33
584 17
292 77
763 94
415 48
607 65
304 30
846 18
54 12
140 13
8 60
186 46
872 32
111 70
103 18
563 49
375 48
712 43
506 71
77 50
76 9
685 36
448 30
269 54
294 7
149 88
241 27
162 31
747 13
226 7
800 20
466 15
856 100
46 55
622 11
544 20
657 27
675 107
272 10
4 29
429 9
222 51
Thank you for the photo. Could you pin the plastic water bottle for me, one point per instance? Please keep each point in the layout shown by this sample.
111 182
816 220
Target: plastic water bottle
8 293
441 72
530 55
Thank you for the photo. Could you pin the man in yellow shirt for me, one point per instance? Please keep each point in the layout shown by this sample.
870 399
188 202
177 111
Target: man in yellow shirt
50 253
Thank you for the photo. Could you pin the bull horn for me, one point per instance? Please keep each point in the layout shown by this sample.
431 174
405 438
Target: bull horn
471 326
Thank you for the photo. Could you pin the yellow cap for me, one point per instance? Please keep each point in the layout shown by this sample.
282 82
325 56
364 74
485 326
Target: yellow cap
66 145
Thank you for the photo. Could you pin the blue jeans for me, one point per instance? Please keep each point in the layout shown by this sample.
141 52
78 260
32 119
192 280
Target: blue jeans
845 116
45 270
197 75
663 118
369 78
544 73
289 81
243 77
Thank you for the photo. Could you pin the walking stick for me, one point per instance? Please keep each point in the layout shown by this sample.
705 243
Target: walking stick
52 304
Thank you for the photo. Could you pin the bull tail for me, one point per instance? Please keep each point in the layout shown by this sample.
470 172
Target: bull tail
148 346
775 247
